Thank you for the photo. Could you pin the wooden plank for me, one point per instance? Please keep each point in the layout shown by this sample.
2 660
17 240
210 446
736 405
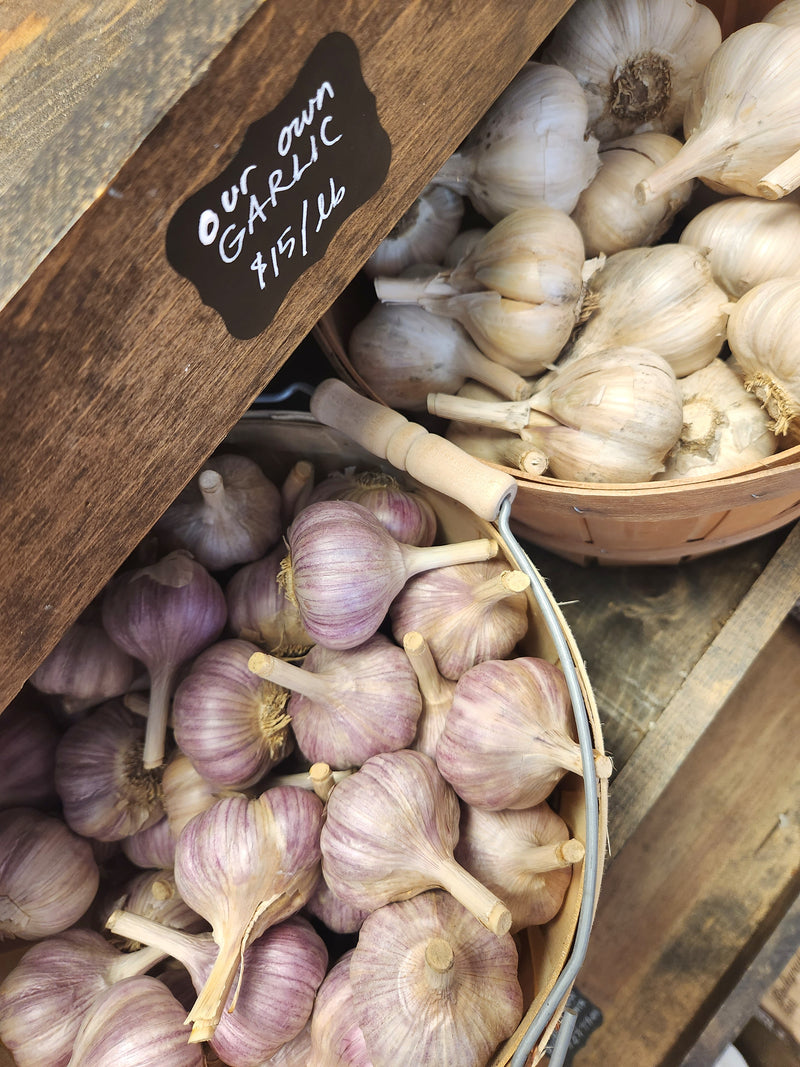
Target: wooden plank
706 876
745 989
116 381
680 725
81 85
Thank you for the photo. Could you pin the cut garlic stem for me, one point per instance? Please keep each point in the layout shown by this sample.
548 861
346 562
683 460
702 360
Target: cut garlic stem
423 559
542 858
210 1004
322 780
501 586
781 180
296 486
212 487
476 898
298 680
302 779
157 718
512 416
410 290
439 960
702 151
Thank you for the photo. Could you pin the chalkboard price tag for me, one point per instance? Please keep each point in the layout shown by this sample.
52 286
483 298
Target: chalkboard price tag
246 237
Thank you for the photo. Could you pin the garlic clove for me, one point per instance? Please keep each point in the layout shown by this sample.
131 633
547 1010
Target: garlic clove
431 985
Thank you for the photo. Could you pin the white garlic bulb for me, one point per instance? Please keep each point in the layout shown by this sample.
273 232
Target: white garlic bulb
608 213
742 121
462 244
636 60
422 235
531 145
762 333
786 13
662 298
724 426
747 240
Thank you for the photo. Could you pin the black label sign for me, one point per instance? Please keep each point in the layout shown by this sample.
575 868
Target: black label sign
246 237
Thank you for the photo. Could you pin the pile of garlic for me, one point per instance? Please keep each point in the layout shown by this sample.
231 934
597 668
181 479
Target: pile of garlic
620 206
267 808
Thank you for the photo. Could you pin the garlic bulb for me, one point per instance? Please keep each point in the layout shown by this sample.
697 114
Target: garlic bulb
524 855
436 692
762 339
742 120
636 61
259 611
136 1021
245 865
724 426
517 292
404 352
151 847
344 569
389 833
294 1053
786 13
430 985
467 614
347 705
229 513
531 145
48 874
338 915
105 792
462 244
608 213
609 416
336 1038
281 972
186 793
508 739
45 997
663 299
28 740
163 615
86 667
421 235
747 240
406 513
232 726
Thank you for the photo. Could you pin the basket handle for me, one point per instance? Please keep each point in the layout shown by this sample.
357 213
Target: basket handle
431 459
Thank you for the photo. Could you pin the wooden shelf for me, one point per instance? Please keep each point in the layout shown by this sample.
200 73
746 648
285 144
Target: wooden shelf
116 381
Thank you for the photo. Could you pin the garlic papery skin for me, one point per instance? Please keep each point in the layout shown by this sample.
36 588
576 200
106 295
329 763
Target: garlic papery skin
344 569
44 999
294 1053
405 513
347 705
164 615
151 847
28 740
608 214
281 972
336 1038
436 692
525 855
136 1021
259 611
422 234
245 865
747 241
663 299
608 416
466 614
742 120
389 834
186 793
636 62
48 874
431 985
725 428
531 145
105 792
761 334
86 667
509 738
230 513
404 352
233 726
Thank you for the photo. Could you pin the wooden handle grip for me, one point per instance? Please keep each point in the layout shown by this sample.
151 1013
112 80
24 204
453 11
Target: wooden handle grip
430 459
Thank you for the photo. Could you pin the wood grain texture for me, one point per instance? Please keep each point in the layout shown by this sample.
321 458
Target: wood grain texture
81 85
116 382
706 878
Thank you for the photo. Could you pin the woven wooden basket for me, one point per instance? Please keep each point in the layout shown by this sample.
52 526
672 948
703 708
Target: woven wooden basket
276 441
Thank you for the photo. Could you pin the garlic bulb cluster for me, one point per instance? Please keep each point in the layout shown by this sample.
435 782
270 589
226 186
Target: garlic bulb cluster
531 145
637 61
761 337
421 235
